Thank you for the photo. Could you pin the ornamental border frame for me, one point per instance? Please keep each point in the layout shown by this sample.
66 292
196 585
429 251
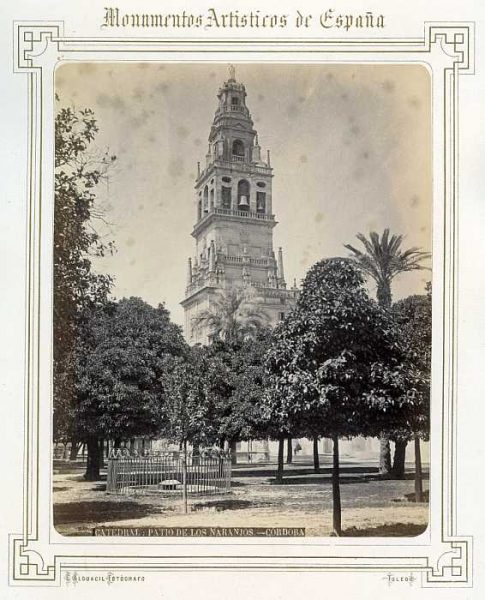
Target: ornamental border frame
36 42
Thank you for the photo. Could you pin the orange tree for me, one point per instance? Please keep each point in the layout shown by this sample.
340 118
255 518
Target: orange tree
241 410
121 360
413 317
383 259
194 386
336 364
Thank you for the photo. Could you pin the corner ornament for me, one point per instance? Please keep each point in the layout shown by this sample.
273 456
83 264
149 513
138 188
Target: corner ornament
27 564
31 41
455 40
453 567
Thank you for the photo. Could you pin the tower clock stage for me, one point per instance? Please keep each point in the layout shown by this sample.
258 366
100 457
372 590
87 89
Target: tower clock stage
234 220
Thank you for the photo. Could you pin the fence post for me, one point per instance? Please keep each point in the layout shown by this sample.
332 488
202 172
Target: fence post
184 478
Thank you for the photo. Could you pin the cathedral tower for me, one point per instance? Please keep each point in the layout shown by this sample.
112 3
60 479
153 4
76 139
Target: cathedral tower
234 223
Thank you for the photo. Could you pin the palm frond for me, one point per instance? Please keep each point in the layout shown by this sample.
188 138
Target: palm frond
382 258
233 314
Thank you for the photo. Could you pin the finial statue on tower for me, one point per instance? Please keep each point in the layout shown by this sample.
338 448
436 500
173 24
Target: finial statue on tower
232 72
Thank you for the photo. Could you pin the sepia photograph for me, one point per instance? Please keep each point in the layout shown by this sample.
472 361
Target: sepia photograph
242 298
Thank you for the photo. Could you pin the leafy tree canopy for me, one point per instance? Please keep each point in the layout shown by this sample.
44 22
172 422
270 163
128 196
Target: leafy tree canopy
413 318
79 167
78 170
336 363
119 384
242 415
195 386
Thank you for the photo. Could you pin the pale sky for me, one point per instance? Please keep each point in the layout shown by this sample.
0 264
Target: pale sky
350 148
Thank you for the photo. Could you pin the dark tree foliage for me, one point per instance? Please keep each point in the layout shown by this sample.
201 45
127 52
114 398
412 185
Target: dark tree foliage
413 318
194 385
382 259
242 415
336 363
239 337
336 357
414 321
120 391
78 170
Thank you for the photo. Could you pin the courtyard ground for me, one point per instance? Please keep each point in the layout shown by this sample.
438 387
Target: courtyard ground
370 506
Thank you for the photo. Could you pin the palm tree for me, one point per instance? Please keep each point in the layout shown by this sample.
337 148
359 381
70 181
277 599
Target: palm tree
233 316
382 259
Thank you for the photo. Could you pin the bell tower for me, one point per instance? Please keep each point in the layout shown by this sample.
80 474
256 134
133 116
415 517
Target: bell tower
234 217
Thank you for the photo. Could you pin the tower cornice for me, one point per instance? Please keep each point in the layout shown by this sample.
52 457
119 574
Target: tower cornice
232 168
238 216
195 291
262 291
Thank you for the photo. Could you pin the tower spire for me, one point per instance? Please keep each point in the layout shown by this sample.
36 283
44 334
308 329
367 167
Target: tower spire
281 272
256 150
189 272
212 256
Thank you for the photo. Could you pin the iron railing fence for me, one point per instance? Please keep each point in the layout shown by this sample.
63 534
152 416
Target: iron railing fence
206 473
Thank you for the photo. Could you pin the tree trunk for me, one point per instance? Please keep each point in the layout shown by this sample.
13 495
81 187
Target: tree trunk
101 453
75 445
418 474
92 464
316 458
337 506
233 453
281 451
289 451
384 295
399 464
385 455
384 299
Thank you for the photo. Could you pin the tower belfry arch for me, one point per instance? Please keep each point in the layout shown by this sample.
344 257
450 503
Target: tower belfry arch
234 218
